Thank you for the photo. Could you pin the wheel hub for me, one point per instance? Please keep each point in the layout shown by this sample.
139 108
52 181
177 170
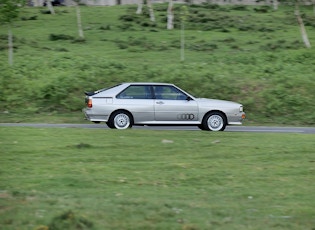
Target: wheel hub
215 122
121 121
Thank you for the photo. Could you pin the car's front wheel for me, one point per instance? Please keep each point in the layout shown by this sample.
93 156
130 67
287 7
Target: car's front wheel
214 121
120 120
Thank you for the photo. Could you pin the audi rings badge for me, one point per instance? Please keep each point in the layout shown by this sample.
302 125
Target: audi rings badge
186 116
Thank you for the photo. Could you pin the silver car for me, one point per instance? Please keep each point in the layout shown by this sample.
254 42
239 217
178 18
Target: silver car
130 104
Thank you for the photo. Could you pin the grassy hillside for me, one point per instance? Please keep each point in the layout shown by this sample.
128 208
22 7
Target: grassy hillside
249 54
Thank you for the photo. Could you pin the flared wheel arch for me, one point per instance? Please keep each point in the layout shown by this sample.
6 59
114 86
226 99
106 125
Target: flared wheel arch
110 122
203 125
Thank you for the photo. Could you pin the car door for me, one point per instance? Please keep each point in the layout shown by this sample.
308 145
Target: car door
173 105
138 99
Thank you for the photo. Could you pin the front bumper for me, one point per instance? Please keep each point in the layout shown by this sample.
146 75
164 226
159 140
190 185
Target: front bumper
236 119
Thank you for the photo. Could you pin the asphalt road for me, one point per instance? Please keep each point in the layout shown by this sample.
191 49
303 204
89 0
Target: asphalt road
259 129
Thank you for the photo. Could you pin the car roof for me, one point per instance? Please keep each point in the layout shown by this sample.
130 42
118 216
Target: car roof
146 83
117 88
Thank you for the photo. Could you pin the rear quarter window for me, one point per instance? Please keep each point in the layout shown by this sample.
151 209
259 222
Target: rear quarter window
136 92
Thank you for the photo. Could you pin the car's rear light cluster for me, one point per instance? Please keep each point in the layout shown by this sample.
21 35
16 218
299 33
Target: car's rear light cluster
89 103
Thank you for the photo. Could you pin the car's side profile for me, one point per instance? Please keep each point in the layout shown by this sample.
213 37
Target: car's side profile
130 104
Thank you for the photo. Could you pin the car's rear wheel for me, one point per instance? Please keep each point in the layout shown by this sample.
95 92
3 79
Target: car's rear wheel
201 127
214 121
120 120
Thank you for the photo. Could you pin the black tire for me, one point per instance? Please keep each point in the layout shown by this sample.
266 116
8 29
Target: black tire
214 121
201 127
120 120
110 125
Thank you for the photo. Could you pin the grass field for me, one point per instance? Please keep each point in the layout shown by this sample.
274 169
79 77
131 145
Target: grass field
70 178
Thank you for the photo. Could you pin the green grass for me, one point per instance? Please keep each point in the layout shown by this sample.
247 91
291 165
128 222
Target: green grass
141 179
51 118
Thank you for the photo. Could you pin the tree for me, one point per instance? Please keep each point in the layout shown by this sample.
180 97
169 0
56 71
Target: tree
183 16
170 15
9 11
301 25
50 7
140 5
152 17
79 22
149 4
37 3
275 4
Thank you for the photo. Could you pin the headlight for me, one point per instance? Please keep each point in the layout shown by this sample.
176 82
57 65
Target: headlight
241 108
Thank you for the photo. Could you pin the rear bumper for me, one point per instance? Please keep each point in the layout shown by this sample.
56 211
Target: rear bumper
94 117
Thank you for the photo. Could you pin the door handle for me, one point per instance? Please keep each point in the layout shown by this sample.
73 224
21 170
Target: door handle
160 102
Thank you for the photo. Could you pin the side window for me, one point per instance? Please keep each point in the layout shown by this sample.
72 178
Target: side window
169 93
136 92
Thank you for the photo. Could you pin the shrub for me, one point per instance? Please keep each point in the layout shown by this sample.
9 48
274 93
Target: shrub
262 9
239 7
105 27
128 17
202 46
45 12
79 40
69 220
24 18
56 37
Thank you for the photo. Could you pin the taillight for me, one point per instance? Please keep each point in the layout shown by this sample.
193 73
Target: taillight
89 103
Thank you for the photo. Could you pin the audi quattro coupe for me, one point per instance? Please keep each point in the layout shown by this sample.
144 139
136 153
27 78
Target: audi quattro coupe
128 104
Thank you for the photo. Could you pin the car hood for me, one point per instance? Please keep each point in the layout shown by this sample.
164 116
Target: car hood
214 102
